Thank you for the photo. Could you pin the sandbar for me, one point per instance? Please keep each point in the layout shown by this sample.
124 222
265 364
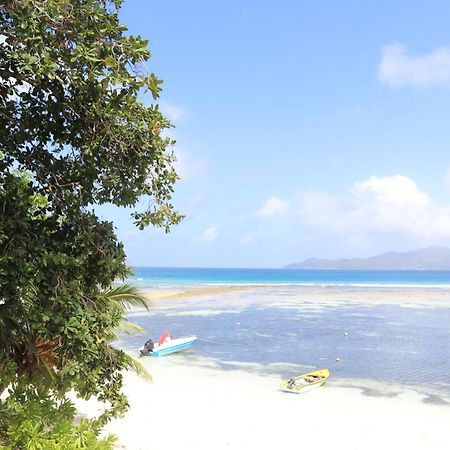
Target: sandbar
328 294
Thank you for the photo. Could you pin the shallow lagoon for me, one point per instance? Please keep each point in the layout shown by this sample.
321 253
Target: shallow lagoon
271 331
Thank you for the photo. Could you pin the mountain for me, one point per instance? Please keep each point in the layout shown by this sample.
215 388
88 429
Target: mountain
431 258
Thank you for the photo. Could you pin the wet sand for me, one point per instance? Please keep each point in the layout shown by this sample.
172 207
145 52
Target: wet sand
194 292
403 295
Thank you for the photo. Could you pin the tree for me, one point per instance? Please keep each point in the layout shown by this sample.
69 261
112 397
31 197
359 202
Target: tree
74 133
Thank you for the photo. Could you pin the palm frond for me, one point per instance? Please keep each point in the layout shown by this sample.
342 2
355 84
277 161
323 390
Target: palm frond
127 328
134 365
126 295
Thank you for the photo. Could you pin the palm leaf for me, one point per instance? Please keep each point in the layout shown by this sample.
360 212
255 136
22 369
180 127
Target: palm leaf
134 365
127 328
125 295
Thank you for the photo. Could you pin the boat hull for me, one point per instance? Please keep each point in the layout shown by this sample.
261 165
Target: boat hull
173 346
321 375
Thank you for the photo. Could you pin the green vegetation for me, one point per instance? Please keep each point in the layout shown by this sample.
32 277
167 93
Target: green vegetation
73 134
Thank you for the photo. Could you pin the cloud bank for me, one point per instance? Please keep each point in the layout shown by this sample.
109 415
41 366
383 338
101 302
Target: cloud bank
377 206
399 68
273 206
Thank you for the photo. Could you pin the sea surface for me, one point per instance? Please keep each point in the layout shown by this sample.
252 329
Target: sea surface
275 330
168 277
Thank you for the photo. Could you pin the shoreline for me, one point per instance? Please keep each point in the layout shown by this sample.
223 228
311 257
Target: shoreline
196 405
199 403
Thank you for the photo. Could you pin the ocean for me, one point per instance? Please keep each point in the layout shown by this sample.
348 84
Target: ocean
275 330
168 277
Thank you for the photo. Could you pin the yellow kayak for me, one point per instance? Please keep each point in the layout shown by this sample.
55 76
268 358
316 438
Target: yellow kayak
305 382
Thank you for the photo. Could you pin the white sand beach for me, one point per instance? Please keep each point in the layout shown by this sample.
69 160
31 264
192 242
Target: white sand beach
192 403
203 408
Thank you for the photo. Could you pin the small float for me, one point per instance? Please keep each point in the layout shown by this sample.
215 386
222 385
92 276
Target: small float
167 345
306 382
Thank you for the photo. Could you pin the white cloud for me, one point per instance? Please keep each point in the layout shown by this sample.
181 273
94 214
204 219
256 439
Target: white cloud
191 160
209 234
378 205
400 68
190 165
175 113
273 206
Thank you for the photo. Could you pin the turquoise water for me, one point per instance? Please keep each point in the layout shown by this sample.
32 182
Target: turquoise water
276 330
273 331
166 277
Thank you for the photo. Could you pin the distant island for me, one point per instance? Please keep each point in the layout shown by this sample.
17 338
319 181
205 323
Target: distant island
431 258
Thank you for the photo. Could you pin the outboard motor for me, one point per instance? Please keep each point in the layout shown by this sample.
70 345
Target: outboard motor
148 348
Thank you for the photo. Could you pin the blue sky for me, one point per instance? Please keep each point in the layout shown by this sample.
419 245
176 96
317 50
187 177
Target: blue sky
303 128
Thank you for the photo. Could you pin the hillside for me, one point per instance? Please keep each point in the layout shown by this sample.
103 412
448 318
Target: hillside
431 258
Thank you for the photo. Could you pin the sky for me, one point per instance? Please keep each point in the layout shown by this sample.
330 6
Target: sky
303 129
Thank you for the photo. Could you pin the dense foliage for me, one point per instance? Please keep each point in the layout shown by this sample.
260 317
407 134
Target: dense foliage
73 134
